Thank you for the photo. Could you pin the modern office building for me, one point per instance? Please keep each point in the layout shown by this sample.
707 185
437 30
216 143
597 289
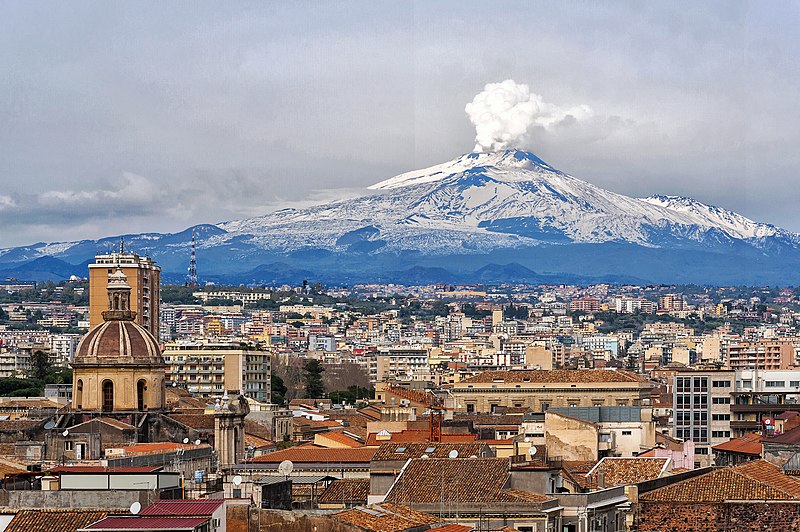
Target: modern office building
702 409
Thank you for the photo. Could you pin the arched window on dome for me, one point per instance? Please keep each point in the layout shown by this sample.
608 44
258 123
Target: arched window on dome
141 388
116 302
79 394
108 396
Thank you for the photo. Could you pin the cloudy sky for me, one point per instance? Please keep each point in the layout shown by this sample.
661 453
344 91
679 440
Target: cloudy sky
132 116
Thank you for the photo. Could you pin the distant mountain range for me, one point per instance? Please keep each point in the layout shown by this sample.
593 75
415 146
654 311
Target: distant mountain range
484 217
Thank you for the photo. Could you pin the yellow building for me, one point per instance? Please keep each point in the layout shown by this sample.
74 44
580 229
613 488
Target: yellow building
144 278
539 390
118 365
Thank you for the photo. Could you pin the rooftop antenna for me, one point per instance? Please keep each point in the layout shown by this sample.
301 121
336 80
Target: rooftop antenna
121 245
192 277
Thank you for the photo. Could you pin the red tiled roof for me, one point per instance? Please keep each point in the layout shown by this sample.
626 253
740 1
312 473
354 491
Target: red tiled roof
757 480
554 376
610 472
748 444
386 517
317 454
790 436
158 447
412 395
195 421
148 523
346 490
52 520
391 451
339 437
419 436
183 507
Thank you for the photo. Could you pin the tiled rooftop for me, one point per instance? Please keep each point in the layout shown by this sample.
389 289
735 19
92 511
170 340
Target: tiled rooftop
340 438
460 481
52 520
756 480
346 490
748 444
610 472
420 436
554 376
404 451
317 454
183 507
148 523
386 517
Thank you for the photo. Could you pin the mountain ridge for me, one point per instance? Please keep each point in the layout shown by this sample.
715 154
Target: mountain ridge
499 208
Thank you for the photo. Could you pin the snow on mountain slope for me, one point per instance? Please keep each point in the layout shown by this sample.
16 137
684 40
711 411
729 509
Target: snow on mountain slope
481 201
708 215
474 204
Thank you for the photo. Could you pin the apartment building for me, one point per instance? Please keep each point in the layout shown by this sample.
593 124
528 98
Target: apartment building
762 354
702 409
760 396
144 277
213 369
401 364
538 390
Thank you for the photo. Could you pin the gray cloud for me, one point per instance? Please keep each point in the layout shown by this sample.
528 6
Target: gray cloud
229 110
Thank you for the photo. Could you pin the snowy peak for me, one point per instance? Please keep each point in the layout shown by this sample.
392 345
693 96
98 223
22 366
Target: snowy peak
501 160
711 216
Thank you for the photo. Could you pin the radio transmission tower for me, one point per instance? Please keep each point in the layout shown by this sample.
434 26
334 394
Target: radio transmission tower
192 277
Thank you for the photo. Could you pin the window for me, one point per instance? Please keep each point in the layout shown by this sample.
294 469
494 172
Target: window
720 384
545 406
69 445
775 384
721 400
747 383
626 433
720 417
794 384
721 434
701 450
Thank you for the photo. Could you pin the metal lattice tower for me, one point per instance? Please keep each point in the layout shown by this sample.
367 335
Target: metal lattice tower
192 277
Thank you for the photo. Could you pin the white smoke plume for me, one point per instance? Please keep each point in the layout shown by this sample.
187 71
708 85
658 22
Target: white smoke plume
503 113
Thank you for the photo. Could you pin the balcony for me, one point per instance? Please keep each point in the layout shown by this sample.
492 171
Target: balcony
763 407
745 425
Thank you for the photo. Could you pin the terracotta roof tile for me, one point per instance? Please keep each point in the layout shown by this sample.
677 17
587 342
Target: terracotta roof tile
420 436
610 472
412 395
463 481
346 490
717 486
339 437
748 444
52 520
386 517
771 474
554 376
404 451
194 421
317 454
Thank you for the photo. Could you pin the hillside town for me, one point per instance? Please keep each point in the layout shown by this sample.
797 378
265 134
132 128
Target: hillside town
128 404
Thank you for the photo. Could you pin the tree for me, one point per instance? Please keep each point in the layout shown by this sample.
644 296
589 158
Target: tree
278 390
313 379
40 364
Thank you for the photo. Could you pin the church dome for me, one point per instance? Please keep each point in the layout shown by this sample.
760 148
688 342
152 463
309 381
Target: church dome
118 341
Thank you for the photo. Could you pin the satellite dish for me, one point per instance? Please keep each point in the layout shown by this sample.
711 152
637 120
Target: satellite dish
49 425
65 433
237 480
532 451
186 440
452 454
197 442
474 456
174 384
136 507
527 439
424 456
285 468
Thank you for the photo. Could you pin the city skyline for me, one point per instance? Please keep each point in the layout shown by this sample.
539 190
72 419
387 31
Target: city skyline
203 116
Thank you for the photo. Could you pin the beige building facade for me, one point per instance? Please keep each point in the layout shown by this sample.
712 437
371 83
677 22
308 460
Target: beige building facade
539 390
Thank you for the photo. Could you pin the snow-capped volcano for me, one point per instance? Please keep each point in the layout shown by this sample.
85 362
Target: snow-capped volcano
480 201
463 220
